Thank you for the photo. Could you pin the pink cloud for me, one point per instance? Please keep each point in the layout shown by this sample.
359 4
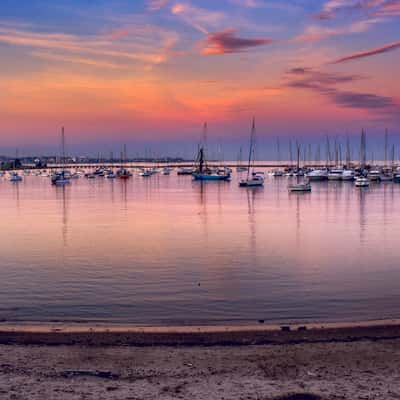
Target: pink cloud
226 42
368 53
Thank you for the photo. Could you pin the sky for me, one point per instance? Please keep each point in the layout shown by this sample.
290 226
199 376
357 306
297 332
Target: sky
148 73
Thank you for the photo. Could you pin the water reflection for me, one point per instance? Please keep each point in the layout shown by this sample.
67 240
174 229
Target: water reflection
61 196
362 196
136 250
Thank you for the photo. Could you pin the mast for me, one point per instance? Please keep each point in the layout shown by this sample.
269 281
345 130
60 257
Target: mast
392 156
63 149
240 156
201 159
363 149
328 152
251 150
318 155
290 153
298 160
204 145
278 147
348 155
336 153
386 147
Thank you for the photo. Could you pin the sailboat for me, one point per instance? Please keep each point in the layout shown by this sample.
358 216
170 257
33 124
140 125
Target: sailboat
202 171
123 173
278 172
304 186
253 179
14 176
60 178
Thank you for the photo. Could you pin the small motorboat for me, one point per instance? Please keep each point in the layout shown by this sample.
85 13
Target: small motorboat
386 177
361 181
184 171
146 173
374 175
335 174
300 187
277 173
14 177
348 175
317 175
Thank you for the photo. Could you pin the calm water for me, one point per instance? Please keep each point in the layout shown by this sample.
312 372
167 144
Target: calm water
166 250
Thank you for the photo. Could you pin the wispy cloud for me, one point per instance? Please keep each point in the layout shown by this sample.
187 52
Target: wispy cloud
151 46
354 16
368 53
249 3
226 42
77 60
315 33
198 18
326 84
335 8
156 5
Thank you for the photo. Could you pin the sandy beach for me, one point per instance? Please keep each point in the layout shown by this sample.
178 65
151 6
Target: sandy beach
337 362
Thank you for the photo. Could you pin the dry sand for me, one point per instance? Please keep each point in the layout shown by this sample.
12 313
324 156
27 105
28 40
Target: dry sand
340 363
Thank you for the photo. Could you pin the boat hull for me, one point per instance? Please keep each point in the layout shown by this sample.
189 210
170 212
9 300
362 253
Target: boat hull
317 178
251 184
204 177
299 188
61 182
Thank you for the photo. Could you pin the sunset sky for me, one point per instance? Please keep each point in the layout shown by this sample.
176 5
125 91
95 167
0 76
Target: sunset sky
148 73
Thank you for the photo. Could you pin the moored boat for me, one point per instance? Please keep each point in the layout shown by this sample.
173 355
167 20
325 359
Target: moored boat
300 187
253 179
14 177
202 171
348 175
335 174
61 178
185 171
361 181
374 175
317 175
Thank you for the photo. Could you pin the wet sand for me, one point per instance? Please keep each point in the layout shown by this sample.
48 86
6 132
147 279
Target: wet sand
336 362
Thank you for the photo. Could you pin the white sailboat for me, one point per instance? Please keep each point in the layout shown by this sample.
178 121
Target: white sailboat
253 179
304 186
61 178
14 176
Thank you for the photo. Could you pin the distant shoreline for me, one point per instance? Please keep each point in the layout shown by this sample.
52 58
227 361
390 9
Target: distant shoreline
112 334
